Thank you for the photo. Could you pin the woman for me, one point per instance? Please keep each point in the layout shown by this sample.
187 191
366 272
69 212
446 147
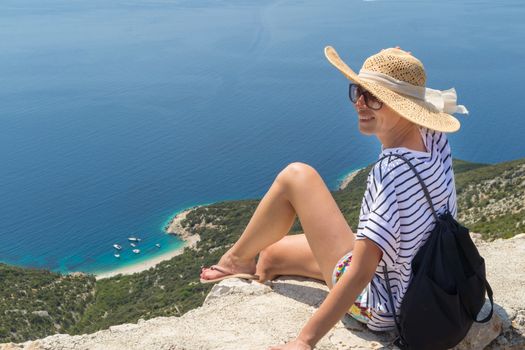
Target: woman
392 103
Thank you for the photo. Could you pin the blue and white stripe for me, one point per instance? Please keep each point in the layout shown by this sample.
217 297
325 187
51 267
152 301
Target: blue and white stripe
396 216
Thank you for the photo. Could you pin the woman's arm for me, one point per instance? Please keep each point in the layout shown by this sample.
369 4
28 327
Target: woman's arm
365 258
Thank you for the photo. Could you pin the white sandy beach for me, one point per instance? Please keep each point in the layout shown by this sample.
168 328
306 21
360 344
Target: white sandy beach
174 227
349 177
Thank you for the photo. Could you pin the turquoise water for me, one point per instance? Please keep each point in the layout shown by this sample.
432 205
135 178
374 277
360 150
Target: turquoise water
114 115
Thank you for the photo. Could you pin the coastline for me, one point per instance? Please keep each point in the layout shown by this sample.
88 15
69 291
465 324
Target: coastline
173 228
348 178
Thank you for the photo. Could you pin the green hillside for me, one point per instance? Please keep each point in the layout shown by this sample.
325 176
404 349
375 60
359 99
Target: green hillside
36 303
491 199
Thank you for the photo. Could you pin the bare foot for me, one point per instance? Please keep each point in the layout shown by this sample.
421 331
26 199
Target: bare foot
265 267
231 263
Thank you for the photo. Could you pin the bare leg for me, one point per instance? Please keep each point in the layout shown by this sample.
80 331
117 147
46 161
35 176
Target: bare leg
297 190
291 255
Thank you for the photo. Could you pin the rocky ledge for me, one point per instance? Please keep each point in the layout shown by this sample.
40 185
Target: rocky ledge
247 315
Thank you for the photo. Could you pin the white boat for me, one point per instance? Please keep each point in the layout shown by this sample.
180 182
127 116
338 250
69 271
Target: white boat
117 255
136 251
133 245
157 245
117 246
134 239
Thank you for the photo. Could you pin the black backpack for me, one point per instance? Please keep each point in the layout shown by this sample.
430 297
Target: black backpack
448 286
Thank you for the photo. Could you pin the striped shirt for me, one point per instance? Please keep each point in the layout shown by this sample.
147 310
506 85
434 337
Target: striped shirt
395 215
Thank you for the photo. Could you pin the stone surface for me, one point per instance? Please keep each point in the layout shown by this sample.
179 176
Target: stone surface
482 334
233 286
239 314
236 315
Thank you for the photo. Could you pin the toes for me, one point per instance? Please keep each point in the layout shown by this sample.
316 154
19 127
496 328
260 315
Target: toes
204 273
209 273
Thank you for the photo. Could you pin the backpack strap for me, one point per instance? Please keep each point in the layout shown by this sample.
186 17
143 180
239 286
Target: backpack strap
400 342
489 293
425 189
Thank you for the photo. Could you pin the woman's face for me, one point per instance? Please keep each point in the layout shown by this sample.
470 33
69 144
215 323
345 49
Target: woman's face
381 122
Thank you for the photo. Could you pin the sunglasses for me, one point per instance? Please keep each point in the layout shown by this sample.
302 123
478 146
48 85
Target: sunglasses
355 91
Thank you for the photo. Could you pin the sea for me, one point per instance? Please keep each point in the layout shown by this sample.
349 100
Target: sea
115 115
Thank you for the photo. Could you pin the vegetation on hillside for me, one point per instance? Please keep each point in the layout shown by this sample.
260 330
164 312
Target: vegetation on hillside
36 303
491 199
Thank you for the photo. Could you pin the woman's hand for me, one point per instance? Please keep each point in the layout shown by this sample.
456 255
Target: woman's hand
365 258
294 345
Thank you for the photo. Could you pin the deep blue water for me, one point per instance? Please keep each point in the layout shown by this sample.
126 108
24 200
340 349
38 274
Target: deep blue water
114 115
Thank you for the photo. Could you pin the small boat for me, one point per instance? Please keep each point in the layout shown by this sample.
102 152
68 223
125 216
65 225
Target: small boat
117 255
136 251
133 245
117 246
134 239
157 245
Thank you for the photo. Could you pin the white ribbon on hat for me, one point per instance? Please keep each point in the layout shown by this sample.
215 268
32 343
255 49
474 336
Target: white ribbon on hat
443 101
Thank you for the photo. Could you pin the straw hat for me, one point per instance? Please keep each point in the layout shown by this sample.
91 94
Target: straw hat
398 79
